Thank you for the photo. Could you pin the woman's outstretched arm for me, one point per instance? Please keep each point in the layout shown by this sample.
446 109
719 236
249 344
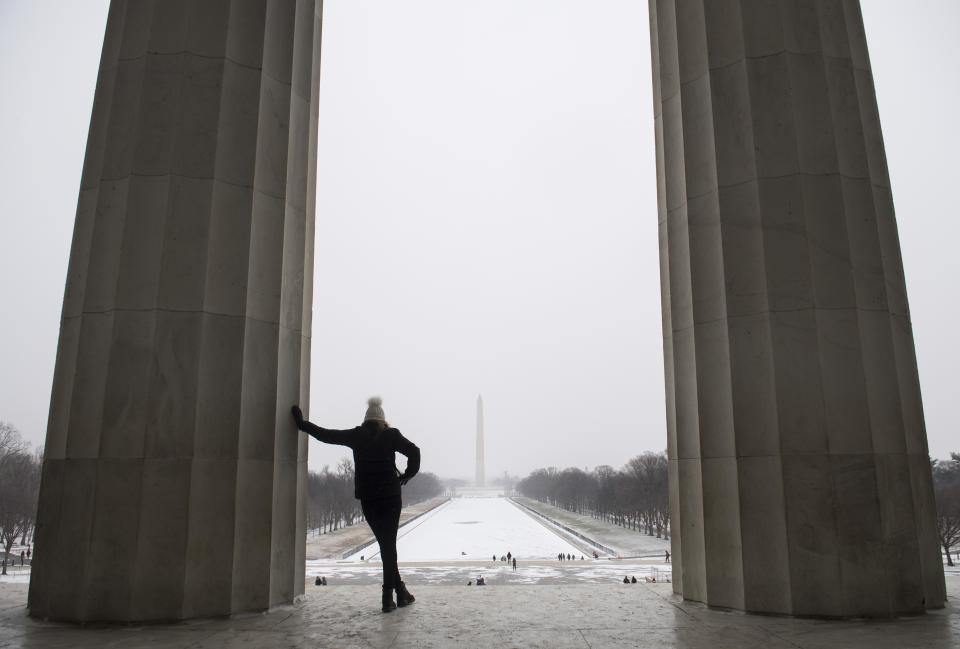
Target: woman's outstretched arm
326 435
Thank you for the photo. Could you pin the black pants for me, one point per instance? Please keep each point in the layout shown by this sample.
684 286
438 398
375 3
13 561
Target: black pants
383 516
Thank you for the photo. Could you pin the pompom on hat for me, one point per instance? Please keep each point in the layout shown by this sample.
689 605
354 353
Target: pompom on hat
374 410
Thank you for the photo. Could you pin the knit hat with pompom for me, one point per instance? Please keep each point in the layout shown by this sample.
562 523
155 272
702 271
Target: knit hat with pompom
374 410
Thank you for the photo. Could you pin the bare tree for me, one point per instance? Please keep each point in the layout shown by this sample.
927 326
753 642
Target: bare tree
946 489
649 475
948 516
19 488
605 504
347 506
10 439
575 490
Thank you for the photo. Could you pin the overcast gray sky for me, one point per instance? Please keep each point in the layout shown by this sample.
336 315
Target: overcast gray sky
486 217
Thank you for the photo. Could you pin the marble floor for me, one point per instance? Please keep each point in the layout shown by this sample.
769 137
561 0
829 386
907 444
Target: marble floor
558 616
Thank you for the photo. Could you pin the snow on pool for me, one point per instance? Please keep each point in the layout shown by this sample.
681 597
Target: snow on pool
474 529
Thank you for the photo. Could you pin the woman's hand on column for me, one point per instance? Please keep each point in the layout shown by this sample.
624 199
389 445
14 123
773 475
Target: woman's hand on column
297 416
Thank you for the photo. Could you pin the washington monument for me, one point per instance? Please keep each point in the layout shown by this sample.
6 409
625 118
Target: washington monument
481 480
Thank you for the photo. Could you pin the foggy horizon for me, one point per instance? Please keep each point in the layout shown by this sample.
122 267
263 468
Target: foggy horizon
486 220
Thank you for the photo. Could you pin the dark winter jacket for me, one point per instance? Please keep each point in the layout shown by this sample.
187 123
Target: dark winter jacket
376 475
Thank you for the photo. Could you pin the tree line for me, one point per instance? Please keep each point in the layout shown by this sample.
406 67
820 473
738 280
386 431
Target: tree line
946 490
330 501
635 496
19 489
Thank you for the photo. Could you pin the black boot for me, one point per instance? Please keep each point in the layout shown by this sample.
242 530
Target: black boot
403 595
388 604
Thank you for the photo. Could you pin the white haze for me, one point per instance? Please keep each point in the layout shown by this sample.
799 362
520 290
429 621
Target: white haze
486 217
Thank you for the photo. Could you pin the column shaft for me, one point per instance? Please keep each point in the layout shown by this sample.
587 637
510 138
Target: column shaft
174 481
799 475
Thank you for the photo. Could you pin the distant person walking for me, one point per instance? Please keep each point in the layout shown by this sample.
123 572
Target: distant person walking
377 483
514 564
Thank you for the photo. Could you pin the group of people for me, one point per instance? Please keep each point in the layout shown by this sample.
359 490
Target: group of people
507 558
569 557
633 580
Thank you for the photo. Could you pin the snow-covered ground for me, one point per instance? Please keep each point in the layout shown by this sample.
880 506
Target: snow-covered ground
456 542
18 577
474 529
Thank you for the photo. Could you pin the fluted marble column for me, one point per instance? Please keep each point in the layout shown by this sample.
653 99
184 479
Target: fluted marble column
799 480
173 480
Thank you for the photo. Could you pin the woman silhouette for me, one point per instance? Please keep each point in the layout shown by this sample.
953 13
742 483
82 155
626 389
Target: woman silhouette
377 483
